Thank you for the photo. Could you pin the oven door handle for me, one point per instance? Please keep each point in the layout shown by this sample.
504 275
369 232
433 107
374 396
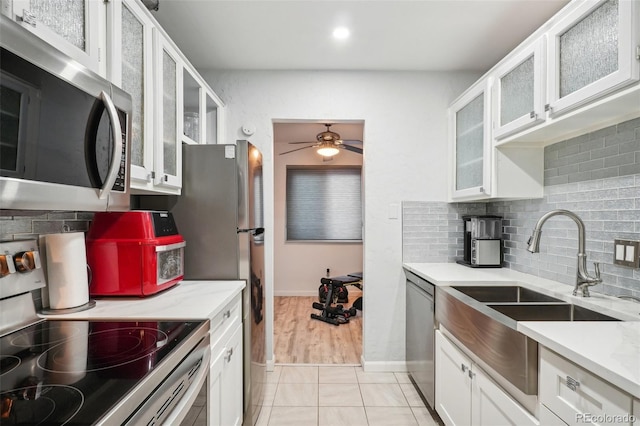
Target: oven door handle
186 401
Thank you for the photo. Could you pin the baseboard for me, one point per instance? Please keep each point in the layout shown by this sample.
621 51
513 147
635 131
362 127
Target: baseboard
271 364
383 366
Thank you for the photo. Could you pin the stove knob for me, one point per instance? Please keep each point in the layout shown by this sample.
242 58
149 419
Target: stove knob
6 265
27 261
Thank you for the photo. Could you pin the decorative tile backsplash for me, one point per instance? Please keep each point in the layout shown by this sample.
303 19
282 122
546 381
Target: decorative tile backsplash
433 231
28 226
610 152
596 176
609 208
24 226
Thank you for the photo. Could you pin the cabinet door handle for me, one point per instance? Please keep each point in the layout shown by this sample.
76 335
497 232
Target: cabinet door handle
229 354
533 115
471 374
226 315
464 368
572 383
548 108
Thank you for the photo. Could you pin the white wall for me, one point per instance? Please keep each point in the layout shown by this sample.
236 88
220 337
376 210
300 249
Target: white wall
298 266
405 159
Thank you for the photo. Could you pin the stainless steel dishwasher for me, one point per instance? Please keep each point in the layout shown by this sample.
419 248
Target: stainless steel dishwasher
420 335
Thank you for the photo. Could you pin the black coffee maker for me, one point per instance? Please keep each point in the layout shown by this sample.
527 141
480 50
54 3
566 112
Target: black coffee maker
482 241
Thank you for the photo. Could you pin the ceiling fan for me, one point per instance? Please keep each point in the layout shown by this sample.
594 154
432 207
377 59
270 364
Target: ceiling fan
329 143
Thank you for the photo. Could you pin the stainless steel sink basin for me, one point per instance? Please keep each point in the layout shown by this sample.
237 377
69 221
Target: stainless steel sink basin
485 320
550 312
508 294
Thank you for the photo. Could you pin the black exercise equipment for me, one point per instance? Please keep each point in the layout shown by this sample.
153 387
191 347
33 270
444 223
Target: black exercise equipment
336 315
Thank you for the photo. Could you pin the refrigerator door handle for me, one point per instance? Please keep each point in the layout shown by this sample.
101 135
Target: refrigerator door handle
253 231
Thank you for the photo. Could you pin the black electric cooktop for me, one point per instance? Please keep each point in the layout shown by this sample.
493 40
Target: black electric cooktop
73 372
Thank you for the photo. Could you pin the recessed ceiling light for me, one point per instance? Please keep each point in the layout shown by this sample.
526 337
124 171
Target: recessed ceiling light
341 33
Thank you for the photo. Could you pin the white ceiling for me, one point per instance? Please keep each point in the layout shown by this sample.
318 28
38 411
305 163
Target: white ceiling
439 35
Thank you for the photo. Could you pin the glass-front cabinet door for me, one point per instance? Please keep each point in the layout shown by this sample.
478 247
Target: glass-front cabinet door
130 60
168 114
75 27
201 110
519 91
471 145
191 108
592 51
212 122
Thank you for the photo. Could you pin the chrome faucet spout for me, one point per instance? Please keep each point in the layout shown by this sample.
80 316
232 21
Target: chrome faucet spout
583 279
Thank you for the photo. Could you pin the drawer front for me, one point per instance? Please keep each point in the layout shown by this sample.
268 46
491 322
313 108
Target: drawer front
577 396
230 316
547 418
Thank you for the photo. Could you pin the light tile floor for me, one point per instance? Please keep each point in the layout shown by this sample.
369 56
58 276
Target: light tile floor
341 395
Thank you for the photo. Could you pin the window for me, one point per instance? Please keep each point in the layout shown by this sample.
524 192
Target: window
324 204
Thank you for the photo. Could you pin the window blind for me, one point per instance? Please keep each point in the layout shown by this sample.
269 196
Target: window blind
324 204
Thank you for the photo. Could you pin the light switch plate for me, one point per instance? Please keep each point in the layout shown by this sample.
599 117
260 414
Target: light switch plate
626 253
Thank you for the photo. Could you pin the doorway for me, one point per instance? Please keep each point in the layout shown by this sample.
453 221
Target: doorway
306 185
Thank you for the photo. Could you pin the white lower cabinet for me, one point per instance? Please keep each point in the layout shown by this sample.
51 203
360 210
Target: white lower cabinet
548 418
465 395
636 412
225 373
578 397
453 384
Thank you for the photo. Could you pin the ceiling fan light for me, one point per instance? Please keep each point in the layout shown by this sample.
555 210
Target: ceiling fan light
328 151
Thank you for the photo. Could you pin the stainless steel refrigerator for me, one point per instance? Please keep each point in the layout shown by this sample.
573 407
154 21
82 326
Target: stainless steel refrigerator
219 214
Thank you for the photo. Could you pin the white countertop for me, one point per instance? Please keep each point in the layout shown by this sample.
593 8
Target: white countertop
186 300
610 350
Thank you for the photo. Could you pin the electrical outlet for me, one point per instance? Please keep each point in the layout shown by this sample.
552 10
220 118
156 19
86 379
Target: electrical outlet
626 253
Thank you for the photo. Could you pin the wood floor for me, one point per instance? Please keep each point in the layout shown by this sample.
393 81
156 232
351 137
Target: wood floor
298 339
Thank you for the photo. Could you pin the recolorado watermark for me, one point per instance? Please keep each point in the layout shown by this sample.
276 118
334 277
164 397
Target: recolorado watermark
605 418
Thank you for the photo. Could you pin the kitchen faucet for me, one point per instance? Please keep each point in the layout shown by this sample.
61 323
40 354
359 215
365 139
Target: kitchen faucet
583 279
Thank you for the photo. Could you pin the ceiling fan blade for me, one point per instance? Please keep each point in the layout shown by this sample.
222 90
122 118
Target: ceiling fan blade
352 141
303 142
297 149
352 148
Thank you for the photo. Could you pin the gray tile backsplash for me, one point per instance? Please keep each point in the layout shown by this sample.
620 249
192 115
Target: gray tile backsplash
610 152
27 226
595 175
609 208
433 231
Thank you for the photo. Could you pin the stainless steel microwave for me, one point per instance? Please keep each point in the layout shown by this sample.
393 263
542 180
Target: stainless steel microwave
64 130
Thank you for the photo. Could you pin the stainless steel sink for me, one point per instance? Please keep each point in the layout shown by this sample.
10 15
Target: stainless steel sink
550 312
506 294
485 320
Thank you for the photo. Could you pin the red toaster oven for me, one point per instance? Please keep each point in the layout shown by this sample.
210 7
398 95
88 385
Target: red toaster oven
134 253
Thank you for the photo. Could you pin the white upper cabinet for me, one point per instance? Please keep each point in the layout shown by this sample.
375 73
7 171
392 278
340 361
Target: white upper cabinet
130 55
168 115
519 90
75 27
192 93
202 110
212 124
593 50
471 143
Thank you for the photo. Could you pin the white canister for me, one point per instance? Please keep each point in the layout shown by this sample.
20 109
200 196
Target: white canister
67 279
